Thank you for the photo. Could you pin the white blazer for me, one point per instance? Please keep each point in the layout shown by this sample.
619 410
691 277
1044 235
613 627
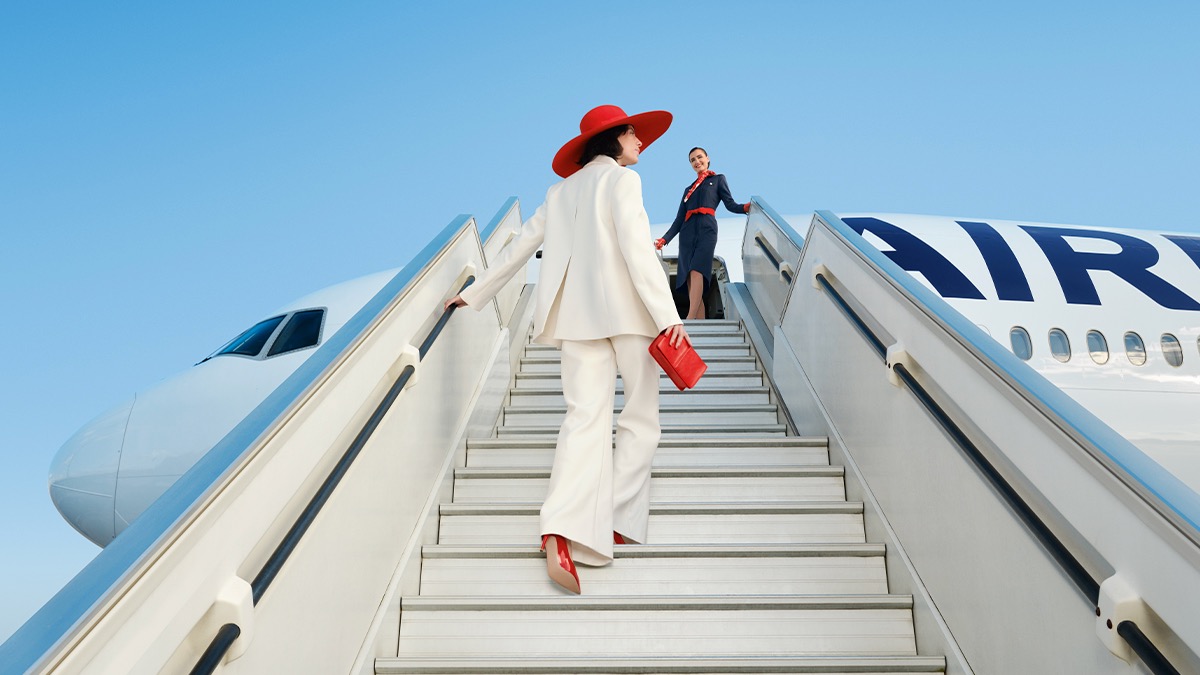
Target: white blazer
599 275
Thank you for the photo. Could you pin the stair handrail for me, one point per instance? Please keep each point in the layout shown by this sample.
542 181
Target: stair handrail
64 618
768 236
228 633
1161 491
1087 585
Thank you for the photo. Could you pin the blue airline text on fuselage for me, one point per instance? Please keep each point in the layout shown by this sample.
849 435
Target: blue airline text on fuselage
1131 263
914 255
1190 245
1002 263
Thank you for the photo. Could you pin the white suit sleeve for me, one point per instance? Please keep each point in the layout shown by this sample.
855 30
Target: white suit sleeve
511 258
633 237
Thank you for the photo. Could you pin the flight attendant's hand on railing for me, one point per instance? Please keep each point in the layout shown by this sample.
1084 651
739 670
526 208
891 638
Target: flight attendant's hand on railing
456 301
677 334
659 243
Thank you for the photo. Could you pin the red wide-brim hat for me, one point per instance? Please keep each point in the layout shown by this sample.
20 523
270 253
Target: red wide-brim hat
648 125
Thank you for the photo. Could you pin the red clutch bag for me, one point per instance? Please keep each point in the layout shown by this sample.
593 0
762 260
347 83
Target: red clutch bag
682 364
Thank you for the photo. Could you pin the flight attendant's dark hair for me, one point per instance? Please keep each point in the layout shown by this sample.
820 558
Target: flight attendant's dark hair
697 148
603 143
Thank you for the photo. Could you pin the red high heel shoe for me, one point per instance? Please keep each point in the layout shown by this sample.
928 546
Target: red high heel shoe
618 539
559 565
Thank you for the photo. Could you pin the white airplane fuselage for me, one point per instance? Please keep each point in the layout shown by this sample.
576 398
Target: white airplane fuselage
1128 287
1004 276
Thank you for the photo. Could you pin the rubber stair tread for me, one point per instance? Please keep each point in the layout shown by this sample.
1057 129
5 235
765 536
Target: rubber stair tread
765 471
636 551
708 358
672 508
678 430
711 376
722 443
653 603
707 393
650 665
670 408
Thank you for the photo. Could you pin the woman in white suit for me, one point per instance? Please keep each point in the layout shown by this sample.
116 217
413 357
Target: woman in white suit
601 298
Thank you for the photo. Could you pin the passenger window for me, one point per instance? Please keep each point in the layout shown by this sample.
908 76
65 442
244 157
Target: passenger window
1060 346
1097 347
302 330
1172 350
251 342
1135 349
1022 346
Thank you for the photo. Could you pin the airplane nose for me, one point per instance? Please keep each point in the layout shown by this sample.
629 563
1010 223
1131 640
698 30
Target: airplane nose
83 475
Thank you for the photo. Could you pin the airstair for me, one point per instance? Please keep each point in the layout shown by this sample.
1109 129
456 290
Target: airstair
756 561
863 482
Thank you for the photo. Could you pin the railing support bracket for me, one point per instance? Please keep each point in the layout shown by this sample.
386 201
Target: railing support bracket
409 356
234 604
820 270
1118 602
898 355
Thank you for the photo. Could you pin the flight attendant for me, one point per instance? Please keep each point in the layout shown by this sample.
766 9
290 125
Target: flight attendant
696 225
601 297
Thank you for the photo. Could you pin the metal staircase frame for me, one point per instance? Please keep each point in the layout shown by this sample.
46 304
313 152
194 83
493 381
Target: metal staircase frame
995 589
994 601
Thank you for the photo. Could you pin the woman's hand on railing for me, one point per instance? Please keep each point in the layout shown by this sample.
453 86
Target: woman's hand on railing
456 301
659 243
677 334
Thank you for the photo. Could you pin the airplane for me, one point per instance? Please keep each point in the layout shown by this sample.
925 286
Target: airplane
1110 316
116 465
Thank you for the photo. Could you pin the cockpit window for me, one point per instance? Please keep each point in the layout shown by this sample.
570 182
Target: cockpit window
1022 346
251 342
1135 349
299 330
1060 346
1172 350
302 330
1097 347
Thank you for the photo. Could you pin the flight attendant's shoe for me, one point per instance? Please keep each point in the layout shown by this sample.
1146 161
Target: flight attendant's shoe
618 539
559 565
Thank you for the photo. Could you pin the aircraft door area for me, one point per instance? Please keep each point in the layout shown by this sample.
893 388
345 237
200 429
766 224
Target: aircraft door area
714 295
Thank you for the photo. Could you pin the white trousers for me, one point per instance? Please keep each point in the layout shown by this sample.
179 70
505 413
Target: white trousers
594 487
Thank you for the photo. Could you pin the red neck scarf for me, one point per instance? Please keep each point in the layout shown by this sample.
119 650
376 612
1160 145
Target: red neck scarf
699 179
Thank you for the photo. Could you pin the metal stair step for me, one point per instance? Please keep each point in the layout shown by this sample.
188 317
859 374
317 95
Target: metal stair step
821 483
705 337
672 523
706 351
659 570
650 664
779 625
520 398
732 443
553 381
669 415
700 325
672 452
716 364
677 430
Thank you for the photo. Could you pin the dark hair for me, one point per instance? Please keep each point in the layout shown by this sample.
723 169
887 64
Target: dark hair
604 143
697 148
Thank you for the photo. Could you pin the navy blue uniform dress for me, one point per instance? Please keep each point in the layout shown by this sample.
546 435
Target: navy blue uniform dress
696 225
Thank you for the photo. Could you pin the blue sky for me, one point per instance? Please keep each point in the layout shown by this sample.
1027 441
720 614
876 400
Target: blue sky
171 172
